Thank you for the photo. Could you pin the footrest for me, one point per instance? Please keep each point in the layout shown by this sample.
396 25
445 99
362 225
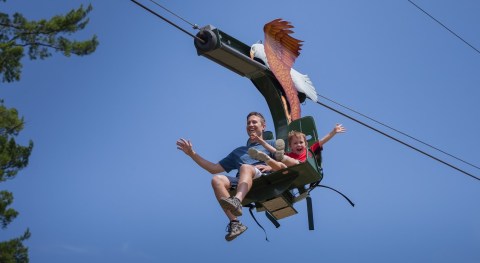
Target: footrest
281 206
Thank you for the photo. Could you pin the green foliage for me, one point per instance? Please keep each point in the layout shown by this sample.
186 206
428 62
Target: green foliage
40 37
37 39
6 215
13 251
13 157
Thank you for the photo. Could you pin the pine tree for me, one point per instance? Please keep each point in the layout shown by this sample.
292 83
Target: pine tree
13 158
38 39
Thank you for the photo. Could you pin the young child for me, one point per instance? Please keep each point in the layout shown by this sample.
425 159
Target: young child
297 142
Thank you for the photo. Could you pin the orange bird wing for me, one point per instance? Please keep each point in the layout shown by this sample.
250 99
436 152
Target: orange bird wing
282 50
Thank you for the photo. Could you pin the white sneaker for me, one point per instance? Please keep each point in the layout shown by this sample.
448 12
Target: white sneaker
280 153
258 155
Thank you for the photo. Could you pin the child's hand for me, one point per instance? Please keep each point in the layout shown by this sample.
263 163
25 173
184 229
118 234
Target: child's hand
254 137
339 128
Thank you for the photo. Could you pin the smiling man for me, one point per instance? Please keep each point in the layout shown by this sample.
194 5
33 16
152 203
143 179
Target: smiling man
247 167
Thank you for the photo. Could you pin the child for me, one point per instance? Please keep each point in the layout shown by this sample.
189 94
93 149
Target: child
297 142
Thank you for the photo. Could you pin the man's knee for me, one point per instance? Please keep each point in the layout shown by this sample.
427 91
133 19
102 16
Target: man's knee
247 170
219 181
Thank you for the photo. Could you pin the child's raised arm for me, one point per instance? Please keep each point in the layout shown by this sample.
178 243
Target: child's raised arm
267 146
337 129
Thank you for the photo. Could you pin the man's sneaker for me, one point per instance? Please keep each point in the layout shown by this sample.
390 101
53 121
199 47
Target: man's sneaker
258 155
280 147
234 229
232 204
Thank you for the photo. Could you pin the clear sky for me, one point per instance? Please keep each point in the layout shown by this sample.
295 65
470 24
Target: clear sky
105 182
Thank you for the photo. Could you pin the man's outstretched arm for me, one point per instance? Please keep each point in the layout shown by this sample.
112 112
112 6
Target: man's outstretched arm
187 147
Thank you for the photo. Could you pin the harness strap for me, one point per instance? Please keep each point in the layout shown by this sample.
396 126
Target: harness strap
272 219
310 213
251 207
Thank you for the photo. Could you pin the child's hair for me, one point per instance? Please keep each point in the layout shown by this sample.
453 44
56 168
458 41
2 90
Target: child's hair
297 134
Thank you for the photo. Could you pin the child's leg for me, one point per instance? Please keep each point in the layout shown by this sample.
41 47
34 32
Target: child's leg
275 165
280 154
261 156
289 161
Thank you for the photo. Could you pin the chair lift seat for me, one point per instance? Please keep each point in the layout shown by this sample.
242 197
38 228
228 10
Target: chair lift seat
273 192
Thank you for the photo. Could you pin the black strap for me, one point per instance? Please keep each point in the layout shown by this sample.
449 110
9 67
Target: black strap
272 219
251 207
317 184
311 225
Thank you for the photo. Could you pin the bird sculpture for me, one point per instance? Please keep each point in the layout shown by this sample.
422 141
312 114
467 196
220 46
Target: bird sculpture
279 53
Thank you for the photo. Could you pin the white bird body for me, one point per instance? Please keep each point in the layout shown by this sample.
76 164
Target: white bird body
302 82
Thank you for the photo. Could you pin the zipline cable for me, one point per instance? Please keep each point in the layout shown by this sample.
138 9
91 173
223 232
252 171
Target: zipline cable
194 26
396 130
440 23
168 21
398 140
335 110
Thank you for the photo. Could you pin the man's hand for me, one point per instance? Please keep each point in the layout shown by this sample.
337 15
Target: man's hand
185 146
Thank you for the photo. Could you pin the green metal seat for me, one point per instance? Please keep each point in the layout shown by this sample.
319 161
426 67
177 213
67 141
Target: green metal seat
274 192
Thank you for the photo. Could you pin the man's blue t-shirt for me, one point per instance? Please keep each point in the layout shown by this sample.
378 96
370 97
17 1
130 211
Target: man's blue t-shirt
240 156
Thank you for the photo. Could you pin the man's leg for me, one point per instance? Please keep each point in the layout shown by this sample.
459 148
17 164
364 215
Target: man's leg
220 185
245 180
234 204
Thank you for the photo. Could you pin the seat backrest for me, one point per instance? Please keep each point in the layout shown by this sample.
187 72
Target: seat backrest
307 126
268 135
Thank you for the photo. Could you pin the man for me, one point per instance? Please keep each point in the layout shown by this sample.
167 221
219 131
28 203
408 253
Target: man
247 167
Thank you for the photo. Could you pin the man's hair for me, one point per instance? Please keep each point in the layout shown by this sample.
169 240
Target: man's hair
258 114
292 134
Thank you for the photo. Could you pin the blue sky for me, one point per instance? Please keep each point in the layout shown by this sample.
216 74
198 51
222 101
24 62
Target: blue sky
106 183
